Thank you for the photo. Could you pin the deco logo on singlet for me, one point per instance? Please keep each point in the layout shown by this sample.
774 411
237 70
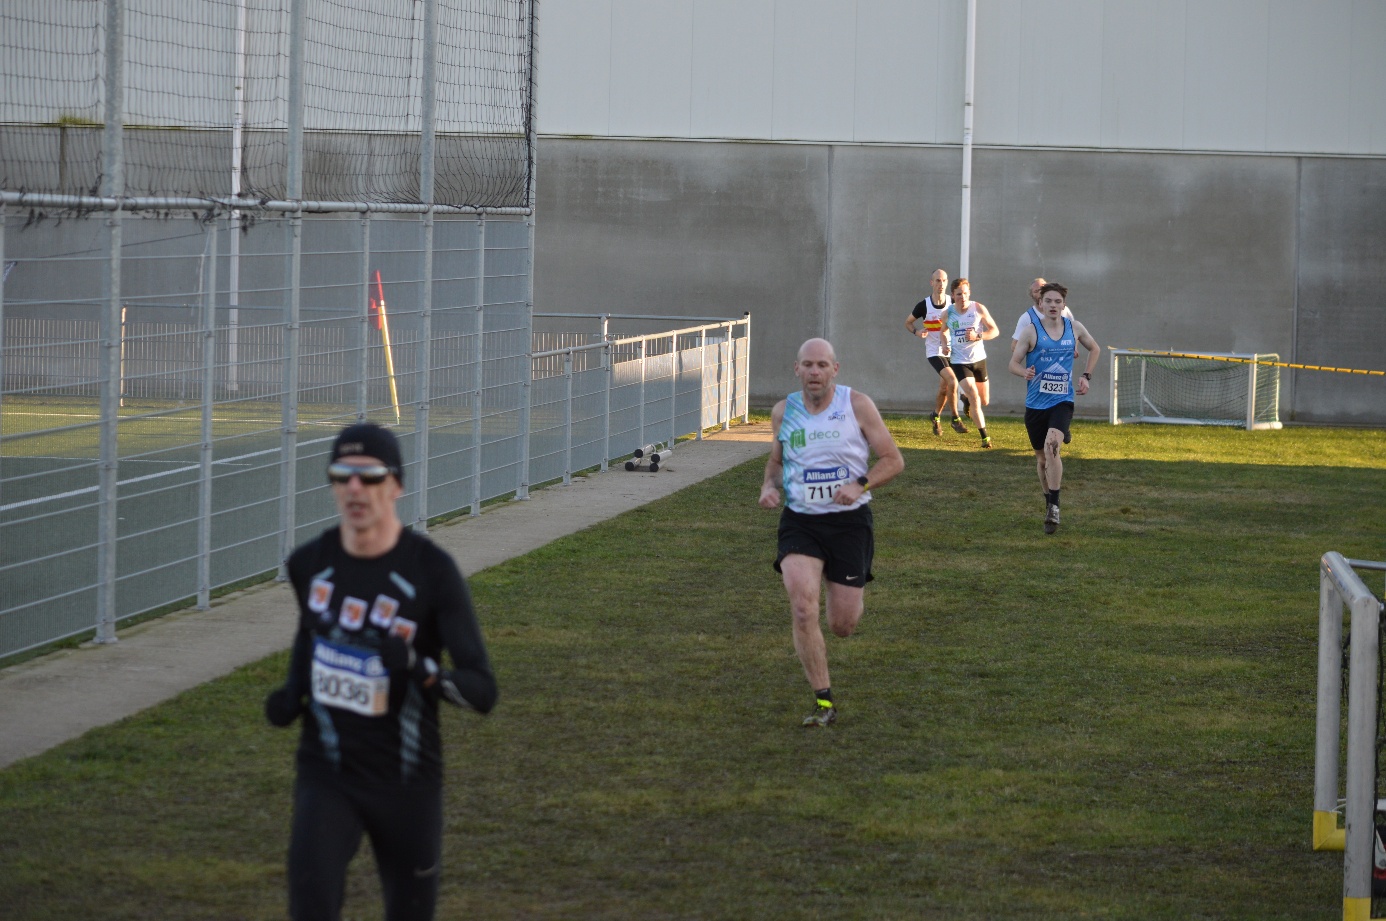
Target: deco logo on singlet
800 439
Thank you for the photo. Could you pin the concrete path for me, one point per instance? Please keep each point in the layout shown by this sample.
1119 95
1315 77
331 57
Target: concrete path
48 700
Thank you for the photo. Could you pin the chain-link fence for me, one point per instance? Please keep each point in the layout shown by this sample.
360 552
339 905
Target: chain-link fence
334 220
255 101
179 446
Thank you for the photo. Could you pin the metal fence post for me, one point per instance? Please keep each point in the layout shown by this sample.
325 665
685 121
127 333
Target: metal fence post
113 186
478 377
644 347
3 209
288 445
1250 395
702 381
425 369
288 458
209 380
606 412
364 352
746 416
1359 812
731 378
675 366
568 418
426 178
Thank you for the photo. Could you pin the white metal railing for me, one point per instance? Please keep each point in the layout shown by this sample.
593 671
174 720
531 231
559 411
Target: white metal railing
644 376
1340 586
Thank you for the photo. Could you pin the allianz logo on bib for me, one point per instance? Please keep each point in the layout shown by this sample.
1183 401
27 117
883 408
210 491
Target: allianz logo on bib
825 476
362 663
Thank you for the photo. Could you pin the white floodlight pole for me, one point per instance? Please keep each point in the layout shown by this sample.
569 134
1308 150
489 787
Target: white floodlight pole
964 250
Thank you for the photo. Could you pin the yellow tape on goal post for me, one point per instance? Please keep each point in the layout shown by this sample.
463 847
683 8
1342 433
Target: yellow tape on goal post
1248 361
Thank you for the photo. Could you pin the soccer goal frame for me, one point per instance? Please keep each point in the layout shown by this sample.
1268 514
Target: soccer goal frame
1341 587
1185 388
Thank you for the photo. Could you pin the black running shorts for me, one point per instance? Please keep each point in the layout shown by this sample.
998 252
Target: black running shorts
844 541
938 362
977 370
1038 422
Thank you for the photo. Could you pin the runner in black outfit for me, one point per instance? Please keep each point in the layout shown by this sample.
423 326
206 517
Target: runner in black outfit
377 605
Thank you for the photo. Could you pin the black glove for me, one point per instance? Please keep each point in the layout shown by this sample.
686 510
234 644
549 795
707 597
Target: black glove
282 708
397 655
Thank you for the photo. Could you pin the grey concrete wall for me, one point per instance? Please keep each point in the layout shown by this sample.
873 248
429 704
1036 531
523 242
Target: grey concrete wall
688 228
1161 251
1341 320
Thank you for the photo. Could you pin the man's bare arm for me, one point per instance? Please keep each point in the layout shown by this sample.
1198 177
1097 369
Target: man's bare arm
1085 339
774 464
1019 349
889 461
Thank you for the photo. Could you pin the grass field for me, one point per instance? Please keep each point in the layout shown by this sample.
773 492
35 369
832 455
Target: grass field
1113 722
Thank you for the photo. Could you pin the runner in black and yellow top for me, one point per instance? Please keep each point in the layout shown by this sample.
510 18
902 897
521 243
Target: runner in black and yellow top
378 604
936 349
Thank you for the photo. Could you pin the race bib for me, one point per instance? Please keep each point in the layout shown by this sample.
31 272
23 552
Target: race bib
350 679
1057 385
820 486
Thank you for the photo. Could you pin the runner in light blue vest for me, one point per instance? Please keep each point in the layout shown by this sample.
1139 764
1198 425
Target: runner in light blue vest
1044 356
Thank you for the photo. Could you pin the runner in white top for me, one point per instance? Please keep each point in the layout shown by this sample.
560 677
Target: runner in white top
826 450
971 324
936 348
1024 321
824 435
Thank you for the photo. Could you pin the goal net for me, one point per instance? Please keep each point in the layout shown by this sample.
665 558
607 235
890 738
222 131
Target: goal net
1212 388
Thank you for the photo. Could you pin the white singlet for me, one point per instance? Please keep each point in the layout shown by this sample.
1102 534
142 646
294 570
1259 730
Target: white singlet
821 453
959 322
933 325
1025 321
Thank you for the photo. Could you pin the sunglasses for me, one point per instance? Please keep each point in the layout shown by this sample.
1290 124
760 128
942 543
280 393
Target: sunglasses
370 474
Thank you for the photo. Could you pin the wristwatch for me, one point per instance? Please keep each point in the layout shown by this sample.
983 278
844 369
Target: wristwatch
1088 375
863 482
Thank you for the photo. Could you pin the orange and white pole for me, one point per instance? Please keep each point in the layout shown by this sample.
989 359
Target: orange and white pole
384 323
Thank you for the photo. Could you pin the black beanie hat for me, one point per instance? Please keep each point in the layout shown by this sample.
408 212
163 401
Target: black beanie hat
371 440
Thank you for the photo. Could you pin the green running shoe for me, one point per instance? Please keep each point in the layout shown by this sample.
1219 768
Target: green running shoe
822 716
